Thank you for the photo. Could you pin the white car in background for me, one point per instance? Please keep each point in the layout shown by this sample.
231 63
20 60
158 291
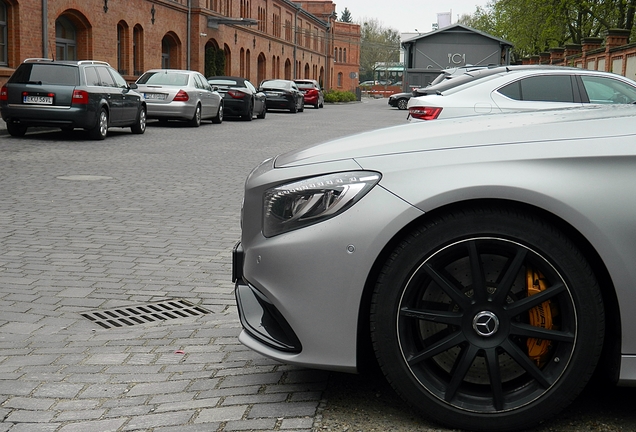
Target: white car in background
520 88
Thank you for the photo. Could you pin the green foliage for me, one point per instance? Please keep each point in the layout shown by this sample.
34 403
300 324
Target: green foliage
534 26
332 96
214 62
378 44
346 16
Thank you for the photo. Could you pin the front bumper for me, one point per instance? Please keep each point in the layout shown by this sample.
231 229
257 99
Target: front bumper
299 293
259 317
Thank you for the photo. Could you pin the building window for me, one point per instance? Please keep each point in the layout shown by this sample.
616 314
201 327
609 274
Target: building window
138 49
122 48
165 53
335 54
339 79
65 40
344 55
3 35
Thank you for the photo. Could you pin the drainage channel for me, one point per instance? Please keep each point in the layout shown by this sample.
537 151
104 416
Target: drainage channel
147 313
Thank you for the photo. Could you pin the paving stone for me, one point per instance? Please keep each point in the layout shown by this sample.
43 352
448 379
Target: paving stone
221 414
158 420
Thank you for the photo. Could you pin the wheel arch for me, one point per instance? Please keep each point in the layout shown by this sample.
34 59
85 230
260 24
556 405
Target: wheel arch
609 364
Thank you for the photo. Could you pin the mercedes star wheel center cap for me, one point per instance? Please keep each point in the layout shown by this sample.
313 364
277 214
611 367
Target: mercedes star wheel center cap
486 323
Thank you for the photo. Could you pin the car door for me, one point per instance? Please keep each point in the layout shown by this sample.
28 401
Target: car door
259 97
112 94
130 99
538 92
209 104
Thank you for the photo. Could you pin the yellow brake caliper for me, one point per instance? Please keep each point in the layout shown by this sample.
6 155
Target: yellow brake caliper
540 316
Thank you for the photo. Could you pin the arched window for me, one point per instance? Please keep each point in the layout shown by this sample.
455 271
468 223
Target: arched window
122 48
65 40
4 35
335 54
340 55
166 45
344 55
340 79
138 49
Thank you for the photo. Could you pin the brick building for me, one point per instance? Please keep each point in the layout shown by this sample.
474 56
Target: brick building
257 39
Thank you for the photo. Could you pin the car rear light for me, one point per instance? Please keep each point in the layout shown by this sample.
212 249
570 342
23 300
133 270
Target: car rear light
181 97
80 97
425 113
4 93
312 92
236 94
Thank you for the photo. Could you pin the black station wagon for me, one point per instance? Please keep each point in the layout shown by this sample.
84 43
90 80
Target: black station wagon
85 94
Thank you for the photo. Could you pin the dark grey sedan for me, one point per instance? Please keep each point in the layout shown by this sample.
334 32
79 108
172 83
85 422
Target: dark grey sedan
283 94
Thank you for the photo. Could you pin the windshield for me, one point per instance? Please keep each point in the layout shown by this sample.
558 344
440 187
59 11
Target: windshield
164 78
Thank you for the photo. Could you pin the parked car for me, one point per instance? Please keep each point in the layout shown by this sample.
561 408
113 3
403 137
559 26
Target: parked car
175 94
312 92
401 100
488 295
514 88
283 94
240 97
85 94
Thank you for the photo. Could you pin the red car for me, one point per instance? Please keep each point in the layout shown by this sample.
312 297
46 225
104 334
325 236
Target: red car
312 92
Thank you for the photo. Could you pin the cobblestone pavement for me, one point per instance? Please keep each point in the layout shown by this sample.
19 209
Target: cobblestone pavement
89 227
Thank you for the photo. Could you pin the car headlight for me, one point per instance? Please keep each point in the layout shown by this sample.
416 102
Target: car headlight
309 201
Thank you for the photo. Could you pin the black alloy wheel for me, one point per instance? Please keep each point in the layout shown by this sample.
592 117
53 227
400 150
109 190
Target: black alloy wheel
488 320
263 113
250 112
402 104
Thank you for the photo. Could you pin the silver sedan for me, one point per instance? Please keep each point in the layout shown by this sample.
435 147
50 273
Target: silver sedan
175 94
486 261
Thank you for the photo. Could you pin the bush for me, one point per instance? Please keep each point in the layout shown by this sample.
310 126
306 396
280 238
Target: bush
339 96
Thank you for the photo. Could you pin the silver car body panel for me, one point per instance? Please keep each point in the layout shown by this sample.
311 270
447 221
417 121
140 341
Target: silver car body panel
425 166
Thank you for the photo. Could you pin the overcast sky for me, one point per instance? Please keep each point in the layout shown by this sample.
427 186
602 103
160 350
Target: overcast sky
407 15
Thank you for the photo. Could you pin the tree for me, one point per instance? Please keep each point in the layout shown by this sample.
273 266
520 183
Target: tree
378 45
534 26
346 16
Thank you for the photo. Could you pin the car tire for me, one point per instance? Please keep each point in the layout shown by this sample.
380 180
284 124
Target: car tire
402 104
196 118
218 118
459 334
263 113
100 130
302 106
250 113
140 123
16 130
293 109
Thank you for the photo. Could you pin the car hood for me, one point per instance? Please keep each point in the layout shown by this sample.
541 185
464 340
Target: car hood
466 132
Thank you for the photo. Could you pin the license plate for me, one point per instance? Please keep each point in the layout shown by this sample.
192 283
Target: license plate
41 100
157 96
272 93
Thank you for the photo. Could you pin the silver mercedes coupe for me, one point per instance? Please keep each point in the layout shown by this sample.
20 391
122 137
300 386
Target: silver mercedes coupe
489 262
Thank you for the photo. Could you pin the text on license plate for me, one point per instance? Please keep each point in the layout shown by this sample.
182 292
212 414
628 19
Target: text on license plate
159 96
44 100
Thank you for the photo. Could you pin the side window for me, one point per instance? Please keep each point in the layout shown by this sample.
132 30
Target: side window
197 81
512 90
91 76
105 78
119 80
554 88
250 86
601 90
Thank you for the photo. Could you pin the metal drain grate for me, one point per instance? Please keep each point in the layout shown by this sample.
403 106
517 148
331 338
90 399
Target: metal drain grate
153 312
